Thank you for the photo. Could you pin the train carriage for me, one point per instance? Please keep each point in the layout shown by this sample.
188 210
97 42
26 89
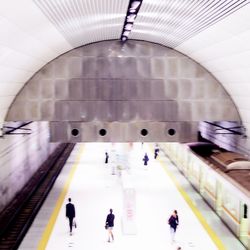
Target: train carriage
222 183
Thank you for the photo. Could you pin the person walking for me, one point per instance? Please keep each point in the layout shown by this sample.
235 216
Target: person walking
106 157
156 151
110 224
70 214
145 159
173 222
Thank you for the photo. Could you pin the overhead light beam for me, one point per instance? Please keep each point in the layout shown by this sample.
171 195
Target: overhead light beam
133 9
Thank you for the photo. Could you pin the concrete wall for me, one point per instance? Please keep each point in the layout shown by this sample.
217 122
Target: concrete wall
20 157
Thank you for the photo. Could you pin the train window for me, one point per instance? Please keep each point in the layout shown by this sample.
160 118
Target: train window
210 184
245 211
231 203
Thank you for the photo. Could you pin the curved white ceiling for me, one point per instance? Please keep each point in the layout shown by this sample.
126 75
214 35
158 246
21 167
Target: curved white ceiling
214 33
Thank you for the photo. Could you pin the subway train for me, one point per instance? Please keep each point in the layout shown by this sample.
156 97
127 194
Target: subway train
221 177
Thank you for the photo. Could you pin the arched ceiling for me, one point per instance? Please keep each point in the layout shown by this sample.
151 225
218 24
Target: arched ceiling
215 33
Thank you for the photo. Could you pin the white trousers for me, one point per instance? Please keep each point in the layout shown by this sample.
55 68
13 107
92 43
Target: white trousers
172 234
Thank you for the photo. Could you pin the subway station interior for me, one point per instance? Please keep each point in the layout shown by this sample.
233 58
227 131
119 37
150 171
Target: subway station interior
139 106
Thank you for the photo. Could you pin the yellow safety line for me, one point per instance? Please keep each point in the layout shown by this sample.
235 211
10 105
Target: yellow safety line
198 214
48 230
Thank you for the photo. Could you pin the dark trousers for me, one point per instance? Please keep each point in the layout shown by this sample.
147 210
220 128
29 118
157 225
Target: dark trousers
70 223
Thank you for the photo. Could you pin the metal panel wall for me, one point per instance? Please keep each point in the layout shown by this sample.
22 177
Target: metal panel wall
123 85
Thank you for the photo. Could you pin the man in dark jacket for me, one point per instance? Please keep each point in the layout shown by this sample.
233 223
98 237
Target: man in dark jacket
70 214
106 157
145 159
156 152
110 224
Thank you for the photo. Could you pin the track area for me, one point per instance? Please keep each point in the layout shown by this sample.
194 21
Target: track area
15 220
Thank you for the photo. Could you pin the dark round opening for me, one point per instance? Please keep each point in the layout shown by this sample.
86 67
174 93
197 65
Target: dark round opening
102 132
144 132
171 131
75 132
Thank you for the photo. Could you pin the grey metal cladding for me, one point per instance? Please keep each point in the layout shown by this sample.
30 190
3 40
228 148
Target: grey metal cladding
104 85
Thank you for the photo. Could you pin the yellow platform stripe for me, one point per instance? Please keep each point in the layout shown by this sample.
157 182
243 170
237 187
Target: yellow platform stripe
195 210
48 230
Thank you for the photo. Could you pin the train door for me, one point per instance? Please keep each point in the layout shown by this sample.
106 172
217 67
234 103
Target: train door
244 223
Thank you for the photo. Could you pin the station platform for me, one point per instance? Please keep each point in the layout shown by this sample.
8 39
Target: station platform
140 217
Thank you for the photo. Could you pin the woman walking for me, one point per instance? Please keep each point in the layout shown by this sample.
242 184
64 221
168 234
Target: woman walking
110 224
173 222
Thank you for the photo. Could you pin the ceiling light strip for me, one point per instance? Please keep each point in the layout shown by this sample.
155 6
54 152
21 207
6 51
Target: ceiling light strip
133 9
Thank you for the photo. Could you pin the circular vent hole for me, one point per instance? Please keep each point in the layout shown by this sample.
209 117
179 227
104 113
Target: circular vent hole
144 132
171 131
102 132
75 132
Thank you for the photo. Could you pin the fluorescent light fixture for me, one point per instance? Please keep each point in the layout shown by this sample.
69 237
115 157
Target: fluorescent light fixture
127 29
135 5
128 26
131 18
126 33
132 10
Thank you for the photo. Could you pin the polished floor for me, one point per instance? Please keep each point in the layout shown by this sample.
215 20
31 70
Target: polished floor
142 198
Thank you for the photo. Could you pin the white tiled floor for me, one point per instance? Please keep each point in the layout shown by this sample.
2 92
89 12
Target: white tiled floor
95 189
